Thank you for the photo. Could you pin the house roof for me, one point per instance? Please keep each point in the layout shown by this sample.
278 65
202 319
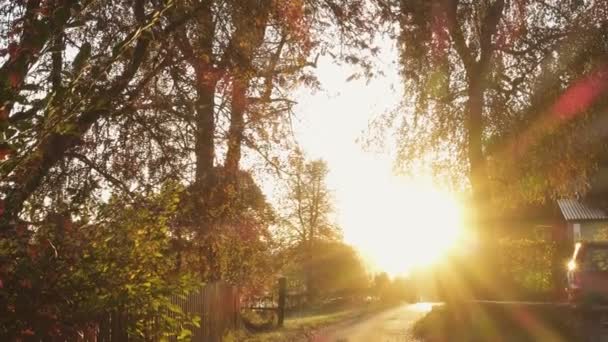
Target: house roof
574 210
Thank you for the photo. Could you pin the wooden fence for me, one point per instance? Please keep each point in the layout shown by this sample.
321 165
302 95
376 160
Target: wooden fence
217 305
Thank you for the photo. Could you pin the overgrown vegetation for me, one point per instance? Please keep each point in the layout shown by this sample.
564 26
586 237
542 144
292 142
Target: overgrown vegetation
488 322
133 135
313 249
123 126
71 273
501 98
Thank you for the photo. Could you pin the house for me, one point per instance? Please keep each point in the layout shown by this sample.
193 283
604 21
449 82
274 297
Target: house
584 221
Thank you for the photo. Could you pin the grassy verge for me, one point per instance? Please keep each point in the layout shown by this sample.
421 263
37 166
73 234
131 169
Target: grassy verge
498 322
300 327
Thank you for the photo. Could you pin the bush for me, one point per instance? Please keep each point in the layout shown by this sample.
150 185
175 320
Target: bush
528 264
498 322
63 277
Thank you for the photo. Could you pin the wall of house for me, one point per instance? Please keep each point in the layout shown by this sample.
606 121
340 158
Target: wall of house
592 231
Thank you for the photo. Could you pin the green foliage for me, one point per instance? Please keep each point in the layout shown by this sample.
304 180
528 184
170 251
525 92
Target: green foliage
310 239
491 322
235 244
503 89
335 270
72 275
103 102
392 291
600 234
328 258
306 206
528 263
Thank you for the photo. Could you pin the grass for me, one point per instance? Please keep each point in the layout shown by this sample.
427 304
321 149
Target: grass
498 322
300 327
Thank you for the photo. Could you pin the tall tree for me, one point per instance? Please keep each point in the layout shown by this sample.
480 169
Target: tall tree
494 95
103 100
43 128
257 52
483 83
306 213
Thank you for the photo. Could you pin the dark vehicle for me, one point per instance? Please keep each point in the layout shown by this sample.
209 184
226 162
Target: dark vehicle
588 274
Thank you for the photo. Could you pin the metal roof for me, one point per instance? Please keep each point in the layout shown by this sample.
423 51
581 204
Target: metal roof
574 210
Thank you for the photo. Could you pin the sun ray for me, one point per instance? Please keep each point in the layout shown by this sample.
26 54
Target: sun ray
406 225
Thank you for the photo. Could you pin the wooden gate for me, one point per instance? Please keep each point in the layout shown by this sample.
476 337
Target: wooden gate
218 306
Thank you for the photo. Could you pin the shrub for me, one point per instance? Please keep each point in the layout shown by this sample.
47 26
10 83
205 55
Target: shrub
64 277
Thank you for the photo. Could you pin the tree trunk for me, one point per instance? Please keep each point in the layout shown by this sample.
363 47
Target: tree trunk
481 283
251 19
203 195
29 174
205 103
36 34
237 126
311 292
477 163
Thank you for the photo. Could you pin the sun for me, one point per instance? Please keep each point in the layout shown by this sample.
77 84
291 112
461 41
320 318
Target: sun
409 225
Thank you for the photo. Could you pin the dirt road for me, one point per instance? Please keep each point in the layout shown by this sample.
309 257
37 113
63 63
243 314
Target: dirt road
391 325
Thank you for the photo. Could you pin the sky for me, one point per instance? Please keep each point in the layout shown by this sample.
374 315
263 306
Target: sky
386 217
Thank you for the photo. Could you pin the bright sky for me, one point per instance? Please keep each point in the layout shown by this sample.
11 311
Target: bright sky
395 223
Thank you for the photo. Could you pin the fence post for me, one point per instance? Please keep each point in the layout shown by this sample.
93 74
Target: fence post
282 293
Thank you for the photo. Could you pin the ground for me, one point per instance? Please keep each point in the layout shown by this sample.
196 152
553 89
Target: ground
355 324
470 322
390 325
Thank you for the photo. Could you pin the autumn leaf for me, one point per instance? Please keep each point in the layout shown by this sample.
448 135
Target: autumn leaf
13 50
14 79
32 251
3 113
21 230
26 283
27 332
5 151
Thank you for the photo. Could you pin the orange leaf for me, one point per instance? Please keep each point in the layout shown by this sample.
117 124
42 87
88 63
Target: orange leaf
14 79
13 49
27 332
32 251
26 283
5 151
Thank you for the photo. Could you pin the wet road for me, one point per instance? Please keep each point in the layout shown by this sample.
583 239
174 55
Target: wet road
392 325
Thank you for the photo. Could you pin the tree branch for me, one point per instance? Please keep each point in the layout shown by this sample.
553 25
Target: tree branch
460 44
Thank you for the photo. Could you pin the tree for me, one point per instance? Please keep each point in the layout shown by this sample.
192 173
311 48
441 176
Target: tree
394 290
336 270
486 82
41 127
104 97
352 279
381 282
105 101
306 214
238 63
506 94
240 250
72 274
